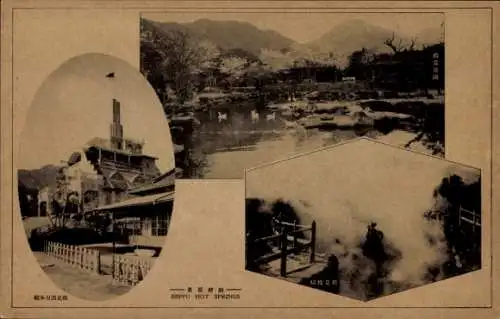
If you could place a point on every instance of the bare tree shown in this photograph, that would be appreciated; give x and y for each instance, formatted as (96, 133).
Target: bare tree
(400, 45)
(396, 47)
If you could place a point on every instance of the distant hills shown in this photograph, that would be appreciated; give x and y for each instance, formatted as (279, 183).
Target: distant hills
(229, 35)
(341, 40)
(37, 179)
(353, 35)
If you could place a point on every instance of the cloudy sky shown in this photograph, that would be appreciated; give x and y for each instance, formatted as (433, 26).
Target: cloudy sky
(74, 105)
(305, 27)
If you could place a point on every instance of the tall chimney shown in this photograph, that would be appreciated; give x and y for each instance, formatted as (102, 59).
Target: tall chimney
(116, 127)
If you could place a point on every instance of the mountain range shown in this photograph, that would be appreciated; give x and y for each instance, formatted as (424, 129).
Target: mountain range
(341, 40)
(229, 35)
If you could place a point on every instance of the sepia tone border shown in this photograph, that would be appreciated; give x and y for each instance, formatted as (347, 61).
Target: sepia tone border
(492, 140)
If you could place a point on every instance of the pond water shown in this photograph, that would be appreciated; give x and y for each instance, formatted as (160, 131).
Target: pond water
(228, 140)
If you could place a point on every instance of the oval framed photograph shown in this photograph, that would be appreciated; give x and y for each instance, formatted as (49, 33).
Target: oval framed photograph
(96, 176)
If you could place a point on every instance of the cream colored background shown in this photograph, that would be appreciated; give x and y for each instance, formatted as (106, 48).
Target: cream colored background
(206, 243)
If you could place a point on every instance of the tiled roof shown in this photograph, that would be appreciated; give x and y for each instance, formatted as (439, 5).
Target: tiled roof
(139, 201)
(163, 181)
(105, 145)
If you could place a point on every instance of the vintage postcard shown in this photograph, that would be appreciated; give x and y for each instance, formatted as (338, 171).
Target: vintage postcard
(248, 159)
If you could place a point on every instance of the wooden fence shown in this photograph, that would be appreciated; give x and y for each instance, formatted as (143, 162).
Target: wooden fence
(79, 257)
(130, 271)
(289, 242)
(469, 217)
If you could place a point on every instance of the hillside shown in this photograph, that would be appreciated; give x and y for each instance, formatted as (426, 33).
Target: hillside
(229, 35)
(38, 178)
(242, 39)
(351, 36)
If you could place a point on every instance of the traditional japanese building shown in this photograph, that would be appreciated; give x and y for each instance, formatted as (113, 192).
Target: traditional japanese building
(129, 187)
(106, 169)
(144, 217)
(115, 177)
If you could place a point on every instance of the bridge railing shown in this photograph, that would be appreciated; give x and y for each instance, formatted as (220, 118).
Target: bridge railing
(469, 217)
(288, 242)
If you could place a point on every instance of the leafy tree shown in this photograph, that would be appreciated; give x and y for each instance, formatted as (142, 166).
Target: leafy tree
(27, 201)
(99, 222)
(359, 62)
(65, 203)
(463, 242)
(171, 58)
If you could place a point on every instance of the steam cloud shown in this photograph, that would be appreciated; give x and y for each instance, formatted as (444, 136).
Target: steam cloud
(396, 197)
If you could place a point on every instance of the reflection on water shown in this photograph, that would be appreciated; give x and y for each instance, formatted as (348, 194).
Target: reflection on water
(232, 164)
(228, 141)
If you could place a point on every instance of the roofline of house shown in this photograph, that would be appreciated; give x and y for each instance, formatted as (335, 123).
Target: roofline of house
(161, 198)
(167, 173)
(154, 185)
(108, 149)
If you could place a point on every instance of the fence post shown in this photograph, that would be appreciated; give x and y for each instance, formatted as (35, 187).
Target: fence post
(88, 260)
(137, 268)
(460, 215)
(313, 241)
(80, 257)
(72, 254)
(82, 253)
(116, 269)
(283, 249)
(294, 234)
(97, 256)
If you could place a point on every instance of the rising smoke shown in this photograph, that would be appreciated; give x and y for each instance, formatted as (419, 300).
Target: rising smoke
(414, 250)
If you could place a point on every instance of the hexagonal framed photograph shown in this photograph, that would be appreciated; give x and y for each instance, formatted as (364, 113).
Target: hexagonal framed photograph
(363, 219)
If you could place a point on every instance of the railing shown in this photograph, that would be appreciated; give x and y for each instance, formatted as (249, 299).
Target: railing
(78, 257)
(469, 217)
(130, 271)
(289, 242)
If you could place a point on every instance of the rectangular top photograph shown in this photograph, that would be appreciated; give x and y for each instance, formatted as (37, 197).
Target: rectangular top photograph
(242, 90)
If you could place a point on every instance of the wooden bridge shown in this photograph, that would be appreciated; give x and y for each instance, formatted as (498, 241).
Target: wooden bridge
(288, 242)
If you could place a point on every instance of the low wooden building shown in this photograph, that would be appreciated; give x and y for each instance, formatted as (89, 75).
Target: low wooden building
(144, 217)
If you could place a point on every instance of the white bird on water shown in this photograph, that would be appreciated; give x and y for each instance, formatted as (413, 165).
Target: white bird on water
(255, 116)
(222, 116)
(271, 117)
